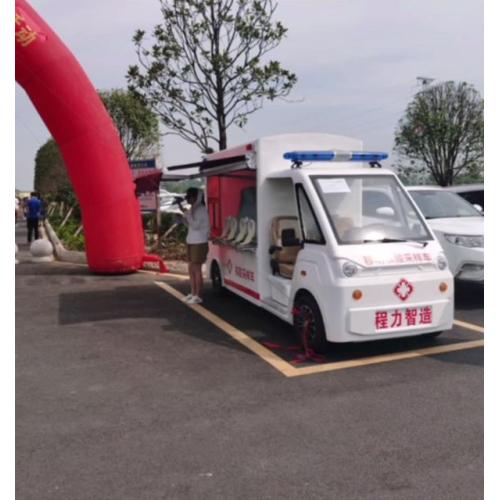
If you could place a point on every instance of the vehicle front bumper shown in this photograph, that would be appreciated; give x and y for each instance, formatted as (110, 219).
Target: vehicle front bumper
(466, 263)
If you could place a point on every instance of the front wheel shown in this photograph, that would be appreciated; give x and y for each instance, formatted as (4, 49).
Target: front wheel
(308, 324)
(432, 335)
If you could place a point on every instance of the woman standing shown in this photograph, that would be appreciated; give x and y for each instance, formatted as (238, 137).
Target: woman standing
(197, 221)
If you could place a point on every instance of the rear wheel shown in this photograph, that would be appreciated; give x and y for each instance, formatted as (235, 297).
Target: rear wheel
(308, 324)
(216, 277)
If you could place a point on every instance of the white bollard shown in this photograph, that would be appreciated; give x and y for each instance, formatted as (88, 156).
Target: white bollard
(17, 250)
(42, 251)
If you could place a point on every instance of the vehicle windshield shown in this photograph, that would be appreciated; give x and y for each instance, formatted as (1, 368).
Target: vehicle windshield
(370, 209)
(436, 204)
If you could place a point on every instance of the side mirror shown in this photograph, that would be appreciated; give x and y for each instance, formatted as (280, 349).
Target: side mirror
(289, 239)
(386, 211)
(478, 207)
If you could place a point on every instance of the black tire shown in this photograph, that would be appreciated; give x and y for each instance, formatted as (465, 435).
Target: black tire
(432, 335)
(216, 277)
(306, 310)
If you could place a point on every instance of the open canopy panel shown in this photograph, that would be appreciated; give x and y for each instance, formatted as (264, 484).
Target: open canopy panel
(207, 168)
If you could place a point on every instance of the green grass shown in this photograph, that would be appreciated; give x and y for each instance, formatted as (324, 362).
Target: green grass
(66, 233)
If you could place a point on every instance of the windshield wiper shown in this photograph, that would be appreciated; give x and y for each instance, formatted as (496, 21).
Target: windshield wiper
(396, 240)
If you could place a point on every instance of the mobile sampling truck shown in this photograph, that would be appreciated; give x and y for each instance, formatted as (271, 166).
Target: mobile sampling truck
(311, 228)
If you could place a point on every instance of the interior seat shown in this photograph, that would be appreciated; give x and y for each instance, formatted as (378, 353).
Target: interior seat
(283, 258)
(343, 225)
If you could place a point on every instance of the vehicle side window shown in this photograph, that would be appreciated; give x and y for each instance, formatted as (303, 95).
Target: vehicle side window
(310, 227)
(474, 197)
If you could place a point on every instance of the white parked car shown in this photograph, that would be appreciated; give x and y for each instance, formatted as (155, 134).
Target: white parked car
(473, 193)
(458, 226)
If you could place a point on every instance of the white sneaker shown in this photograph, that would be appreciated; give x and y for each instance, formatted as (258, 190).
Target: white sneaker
(188, 297)
(194, 300)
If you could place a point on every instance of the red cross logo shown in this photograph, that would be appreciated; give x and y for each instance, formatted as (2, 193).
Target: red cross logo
(403, 289)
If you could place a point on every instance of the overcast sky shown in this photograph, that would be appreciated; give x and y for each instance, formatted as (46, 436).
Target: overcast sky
(356, 61)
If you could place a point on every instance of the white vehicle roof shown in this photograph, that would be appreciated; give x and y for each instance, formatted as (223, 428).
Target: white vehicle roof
(267, 157)
(341, 169)
(463, 188)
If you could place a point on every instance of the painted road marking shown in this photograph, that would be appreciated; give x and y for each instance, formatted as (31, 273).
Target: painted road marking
(180, 277)
(291, 371)
(469, 326)
(241, 337)
(428, 351)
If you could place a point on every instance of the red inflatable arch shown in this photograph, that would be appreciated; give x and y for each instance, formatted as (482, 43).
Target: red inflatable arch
(97, 165)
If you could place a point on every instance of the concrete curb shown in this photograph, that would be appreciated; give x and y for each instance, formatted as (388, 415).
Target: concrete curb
(75, 257)
(177, 266)
(61, 253)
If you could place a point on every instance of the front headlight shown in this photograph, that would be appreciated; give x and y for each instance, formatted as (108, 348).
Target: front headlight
(466, 241)
(349, 269)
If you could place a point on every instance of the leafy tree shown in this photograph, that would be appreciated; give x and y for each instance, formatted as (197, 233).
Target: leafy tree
(412, 173)
(51, 177)
(442, 133)
(183, 186)
(204, 71)
(137, 125)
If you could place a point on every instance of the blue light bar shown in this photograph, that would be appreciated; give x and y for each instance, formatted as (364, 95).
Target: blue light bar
(309, 155)
(366, 156)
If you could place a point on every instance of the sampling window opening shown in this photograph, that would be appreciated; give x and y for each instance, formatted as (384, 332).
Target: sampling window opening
(232, 206)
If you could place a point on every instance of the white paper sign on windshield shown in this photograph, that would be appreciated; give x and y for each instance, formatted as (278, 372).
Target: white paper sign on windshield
(334, 186)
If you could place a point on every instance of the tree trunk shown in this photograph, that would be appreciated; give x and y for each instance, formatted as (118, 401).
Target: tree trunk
(221, 115)
(222, 138)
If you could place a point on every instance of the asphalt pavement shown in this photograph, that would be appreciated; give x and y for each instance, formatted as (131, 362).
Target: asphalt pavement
(123, 392)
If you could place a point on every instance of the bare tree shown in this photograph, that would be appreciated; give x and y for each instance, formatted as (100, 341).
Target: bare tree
(204, 72)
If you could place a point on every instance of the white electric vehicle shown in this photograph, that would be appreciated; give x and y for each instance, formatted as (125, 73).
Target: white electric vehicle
(311, 228)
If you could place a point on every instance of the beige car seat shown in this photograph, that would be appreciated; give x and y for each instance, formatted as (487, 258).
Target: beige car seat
(283, 258)
(342, 225)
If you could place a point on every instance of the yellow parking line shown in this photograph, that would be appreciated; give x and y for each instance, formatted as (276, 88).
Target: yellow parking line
(386, 358)
(241, 337)
(179, 277)
(291, 371)
(469, 326)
